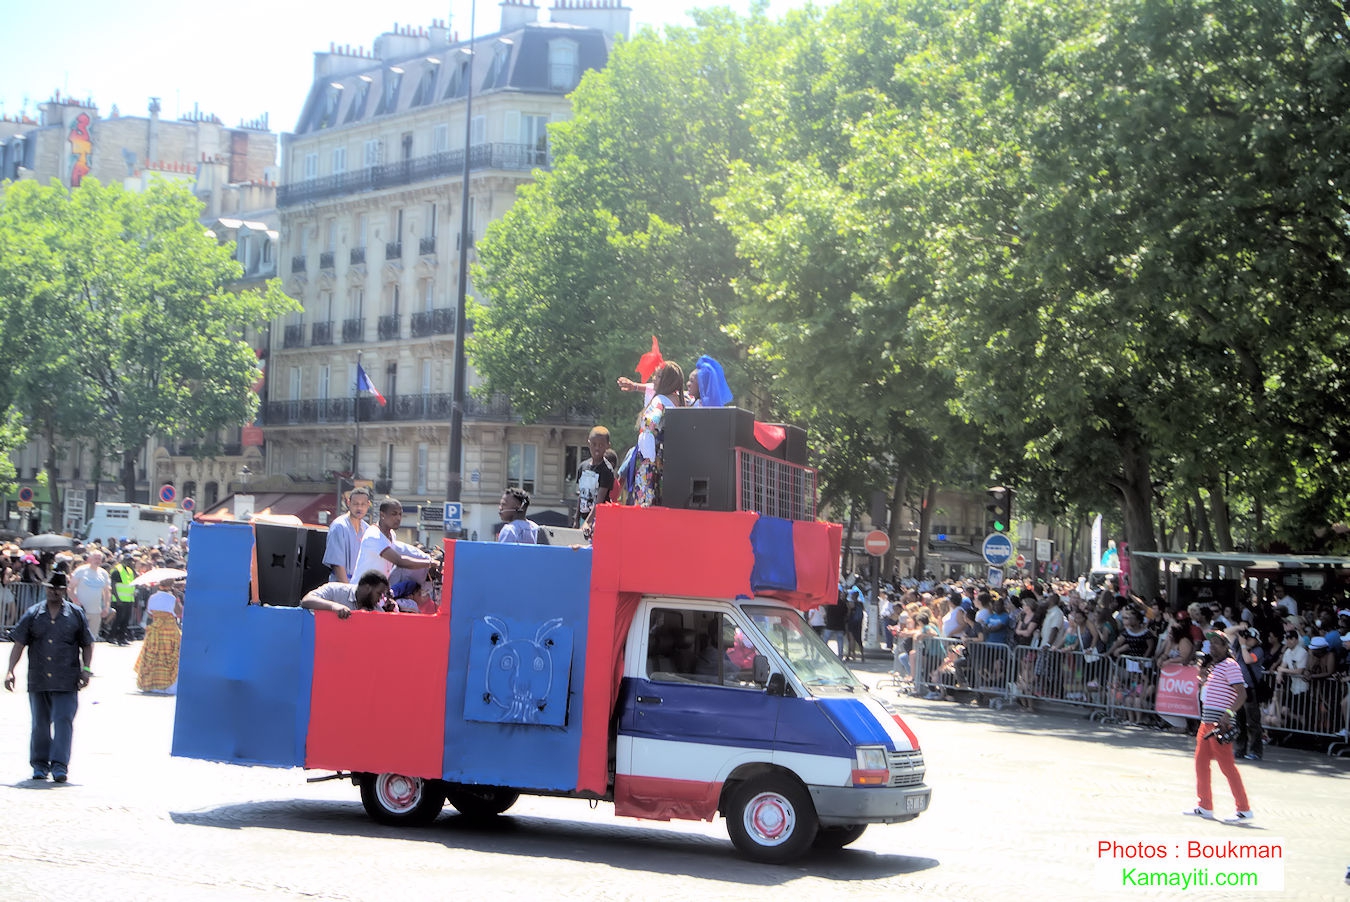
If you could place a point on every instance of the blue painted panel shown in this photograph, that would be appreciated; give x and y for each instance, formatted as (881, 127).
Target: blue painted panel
(527, 585)
(518, 671)
(696, 712)
(245, 674)
(857, 722)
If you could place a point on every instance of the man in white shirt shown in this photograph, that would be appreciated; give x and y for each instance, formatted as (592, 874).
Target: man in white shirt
(345, 534)
(1288, 603)
(382, 551)
(91, 587)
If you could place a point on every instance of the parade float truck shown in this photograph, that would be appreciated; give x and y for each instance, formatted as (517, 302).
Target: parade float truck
(668, 670)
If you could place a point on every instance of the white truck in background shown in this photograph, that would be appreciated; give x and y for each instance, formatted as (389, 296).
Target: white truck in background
(143, 524)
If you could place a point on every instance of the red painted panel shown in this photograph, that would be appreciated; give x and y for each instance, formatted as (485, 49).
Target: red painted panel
(386, 721)
(660, 799)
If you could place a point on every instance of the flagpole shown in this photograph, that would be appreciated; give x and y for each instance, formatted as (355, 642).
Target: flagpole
(356, 410)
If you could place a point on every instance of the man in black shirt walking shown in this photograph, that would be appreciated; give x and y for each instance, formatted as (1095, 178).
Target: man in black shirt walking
(61, 649)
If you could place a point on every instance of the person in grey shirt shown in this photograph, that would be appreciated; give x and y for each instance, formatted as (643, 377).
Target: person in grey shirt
(366, 594)
(344, 536)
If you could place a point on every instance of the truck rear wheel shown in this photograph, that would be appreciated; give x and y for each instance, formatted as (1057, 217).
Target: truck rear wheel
(838, 837)
(481, 801)
(771, 819)
(397, 800)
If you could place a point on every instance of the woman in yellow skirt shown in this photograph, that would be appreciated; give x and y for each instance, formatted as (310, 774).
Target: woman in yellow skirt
(157, 665)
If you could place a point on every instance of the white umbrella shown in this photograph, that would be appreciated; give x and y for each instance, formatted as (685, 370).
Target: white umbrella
(158, 575)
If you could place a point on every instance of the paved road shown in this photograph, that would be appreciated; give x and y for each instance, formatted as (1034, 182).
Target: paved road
(1020, 802)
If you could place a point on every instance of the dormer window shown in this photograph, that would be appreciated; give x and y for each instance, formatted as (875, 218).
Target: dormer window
(563, 70)
(426, 87)
(501, 56)
(458, 80)
(358, 108)
(393, 80)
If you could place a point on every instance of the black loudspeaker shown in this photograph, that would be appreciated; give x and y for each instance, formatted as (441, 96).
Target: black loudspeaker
(290, 561)
(699, 457)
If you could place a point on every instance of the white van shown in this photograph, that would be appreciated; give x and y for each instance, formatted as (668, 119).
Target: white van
(141, 523)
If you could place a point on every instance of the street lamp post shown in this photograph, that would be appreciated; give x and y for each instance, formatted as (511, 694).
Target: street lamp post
(454, 483)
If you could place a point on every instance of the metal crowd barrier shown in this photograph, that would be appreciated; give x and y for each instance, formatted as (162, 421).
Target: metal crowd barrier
(16, 598)
(1120, 690)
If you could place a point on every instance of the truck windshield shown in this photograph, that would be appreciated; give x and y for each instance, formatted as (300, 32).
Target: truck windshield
(805, 652)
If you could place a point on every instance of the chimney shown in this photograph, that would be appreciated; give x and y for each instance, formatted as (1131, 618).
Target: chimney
(609, 16)
(517, 14)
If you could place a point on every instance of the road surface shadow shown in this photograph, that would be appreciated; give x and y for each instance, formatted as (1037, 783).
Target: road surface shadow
(629, 846)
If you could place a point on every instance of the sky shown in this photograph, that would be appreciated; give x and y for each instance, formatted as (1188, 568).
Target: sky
(258, 60)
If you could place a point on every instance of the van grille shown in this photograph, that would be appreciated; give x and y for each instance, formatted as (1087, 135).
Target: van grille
(907, 768)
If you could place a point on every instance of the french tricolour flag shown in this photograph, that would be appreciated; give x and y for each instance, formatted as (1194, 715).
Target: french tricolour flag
(363, 383)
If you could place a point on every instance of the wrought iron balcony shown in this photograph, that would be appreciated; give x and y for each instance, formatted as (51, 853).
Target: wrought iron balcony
(293, 337)
(358, 256)
(403, 408)
(432, 322)
(326, 260)
(353, 331)
(393, 250)
(388, 327)
(426, 246)
(298, 263)
(449, 164)
(321, 334)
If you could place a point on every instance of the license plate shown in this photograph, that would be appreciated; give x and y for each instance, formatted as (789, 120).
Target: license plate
(916, 803)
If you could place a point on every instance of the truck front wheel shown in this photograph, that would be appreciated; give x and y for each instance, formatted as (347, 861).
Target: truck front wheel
(481, 801)
(771, 819)
(397, 800)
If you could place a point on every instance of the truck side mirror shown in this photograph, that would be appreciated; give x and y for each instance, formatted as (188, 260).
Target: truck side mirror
(777, 686)
(760, 668)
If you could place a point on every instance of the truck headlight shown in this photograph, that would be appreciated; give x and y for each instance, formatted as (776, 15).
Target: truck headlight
(871, 767)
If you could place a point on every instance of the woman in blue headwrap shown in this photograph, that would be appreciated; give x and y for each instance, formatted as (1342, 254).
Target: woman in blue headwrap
(708, 384)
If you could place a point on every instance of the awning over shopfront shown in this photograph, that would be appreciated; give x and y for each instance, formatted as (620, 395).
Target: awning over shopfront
(308, 507)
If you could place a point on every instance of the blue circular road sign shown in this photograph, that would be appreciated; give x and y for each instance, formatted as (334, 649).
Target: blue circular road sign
(998, 549)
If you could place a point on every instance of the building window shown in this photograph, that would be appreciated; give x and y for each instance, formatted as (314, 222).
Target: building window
(573, 455)
(458, 81)
(440, 139)
(423, 458)
(426, 88)
(339, 160)
(562, 65)
(478, 131)
(372, 152)
(520, 465)
(311, 166)
(358, 107)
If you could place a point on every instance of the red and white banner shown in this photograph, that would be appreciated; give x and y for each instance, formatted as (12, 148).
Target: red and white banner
(1179, 691)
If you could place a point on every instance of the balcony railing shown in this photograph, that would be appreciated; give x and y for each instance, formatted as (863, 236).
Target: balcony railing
(298, 263)
(403, 408)
(388, 327)
(393, 250)
(321, 334)
(293, 337)
(426, 246)
(326, 260)
(353, 331)
(432, 322)
(516, 157)
(358, 256)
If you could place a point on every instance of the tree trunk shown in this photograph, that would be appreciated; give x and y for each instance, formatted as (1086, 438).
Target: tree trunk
(1136, 488)
(56, 514)
(848, 537)
(1218, 512)
(129, 475)
(925, 520)
(1206, 538)
(898, 493)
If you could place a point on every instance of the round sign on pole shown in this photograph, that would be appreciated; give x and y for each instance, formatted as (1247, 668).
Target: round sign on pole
(997, 549)
(167, 493)
(877, 543)
(1021, 561)
(25, 494)
(189, 504)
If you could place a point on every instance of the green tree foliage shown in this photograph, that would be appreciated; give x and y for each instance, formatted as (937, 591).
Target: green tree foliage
(119, 318)
(621, 241)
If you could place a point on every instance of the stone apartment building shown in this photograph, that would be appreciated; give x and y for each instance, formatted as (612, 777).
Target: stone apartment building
(233, 171)
(370, 208)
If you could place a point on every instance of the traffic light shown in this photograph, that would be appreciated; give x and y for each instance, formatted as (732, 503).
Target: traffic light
(998, 509)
